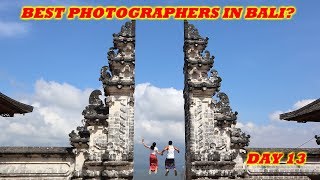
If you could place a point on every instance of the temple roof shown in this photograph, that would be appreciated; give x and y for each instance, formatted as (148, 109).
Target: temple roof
(9, 107)
(310, 112)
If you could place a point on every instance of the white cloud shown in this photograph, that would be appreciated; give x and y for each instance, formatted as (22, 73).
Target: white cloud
(280, 133)
(57, 111)
(159, 116)
(12, 29)
(58, 107)
(302, 103)
(62, 95)
(160, 104)
(275, 116)
(284, 134)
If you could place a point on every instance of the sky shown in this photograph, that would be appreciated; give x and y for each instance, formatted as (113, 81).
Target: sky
(267, 68)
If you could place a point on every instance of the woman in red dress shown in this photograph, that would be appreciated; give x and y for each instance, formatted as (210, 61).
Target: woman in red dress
(153, 157)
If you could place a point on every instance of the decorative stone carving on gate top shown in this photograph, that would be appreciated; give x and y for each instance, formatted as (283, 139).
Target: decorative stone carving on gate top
(213, 144)
(121, 57)
(106, 138)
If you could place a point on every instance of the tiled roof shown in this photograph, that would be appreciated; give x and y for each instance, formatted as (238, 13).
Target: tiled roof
(9, 107)
(310, 112)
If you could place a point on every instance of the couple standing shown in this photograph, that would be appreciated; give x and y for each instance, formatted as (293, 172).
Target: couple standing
(169, 163)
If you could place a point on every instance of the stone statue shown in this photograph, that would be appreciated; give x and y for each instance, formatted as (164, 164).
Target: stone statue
(96, 108)
(207, 56)
(104, 75)
(111, 53)
(214, 77)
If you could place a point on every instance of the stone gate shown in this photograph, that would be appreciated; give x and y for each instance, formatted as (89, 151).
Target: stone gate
(104, 145)
(214, 146)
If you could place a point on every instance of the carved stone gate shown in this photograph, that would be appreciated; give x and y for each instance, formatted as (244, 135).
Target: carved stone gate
(104, 145)
(214, 146)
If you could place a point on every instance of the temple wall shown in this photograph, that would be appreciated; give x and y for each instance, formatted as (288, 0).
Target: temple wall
(283, 171)
(279, 178)
(309, 170)
(28, 164)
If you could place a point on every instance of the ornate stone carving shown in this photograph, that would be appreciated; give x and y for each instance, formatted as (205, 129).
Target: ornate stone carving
(80, 137)
(214, 78)
(127, 30)
(124, 46)
(104, 75)
(207, 56)
(223, 111)
(239, 139)
(212, 144)
(119, 75)
(96, 112)
(108, 125)
(191, 32)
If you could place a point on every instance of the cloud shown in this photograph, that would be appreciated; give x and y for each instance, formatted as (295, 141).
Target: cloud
(58, 106)
(161, 104)
(159, 116)
(159, 113)
(302, 103)
(60, 94)
(13, 29)
(275, 116)
(284, 134)
(279, 133)
(57, 111)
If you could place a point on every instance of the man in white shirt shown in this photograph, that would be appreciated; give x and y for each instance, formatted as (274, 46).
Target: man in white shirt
(169, 163)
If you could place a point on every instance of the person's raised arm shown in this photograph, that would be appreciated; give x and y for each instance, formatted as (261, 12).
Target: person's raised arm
(145, 144)
(175, 148)
(166, 148)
